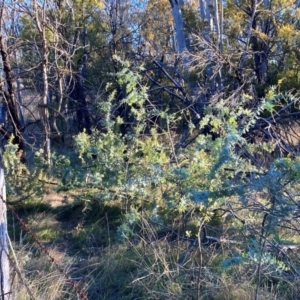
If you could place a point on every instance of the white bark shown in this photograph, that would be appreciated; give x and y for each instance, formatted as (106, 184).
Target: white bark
(205, 12)
(221, 25)
(217, 23)
(243, 59)
(202, 9)
(4, 262)
(178, 23)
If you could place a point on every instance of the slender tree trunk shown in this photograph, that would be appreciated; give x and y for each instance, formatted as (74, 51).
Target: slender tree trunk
(249, 33)
(261, 48)
(59, 73)
(212, 81)
(58, 110)
(205, 13)
(43, 104)
(4, 261)
(178, 23)
(218, 24)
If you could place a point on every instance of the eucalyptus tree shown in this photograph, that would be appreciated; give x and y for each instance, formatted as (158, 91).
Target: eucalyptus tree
(40, 20)
(54, 43)
(226, 48)
(179, 25)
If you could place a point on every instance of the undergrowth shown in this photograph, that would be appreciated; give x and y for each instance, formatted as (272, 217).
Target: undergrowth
(145, 218)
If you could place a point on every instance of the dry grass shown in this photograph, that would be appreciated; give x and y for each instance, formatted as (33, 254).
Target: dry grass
(55, 199)
(40, 277)
(147, 267)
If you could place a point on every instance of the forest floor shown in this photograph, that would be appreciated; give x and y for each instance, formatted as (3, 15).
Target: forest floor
(86, 246)
(58, 236)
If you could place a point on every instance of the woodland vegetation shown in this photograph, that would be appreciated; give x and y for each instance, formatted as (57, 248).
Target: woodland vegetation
(168, 132)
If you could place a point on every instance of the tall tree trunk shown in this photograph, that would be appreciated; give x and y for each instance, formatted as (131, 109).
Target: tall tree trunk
(178, 23)
(4, 261)
(261, 48)
(218, 24)
(43, 104)
(249, 34)
(212, 82)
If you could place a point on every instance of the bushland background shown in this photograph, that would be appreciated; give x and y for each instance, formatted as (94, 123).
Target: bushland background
(151, 148)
